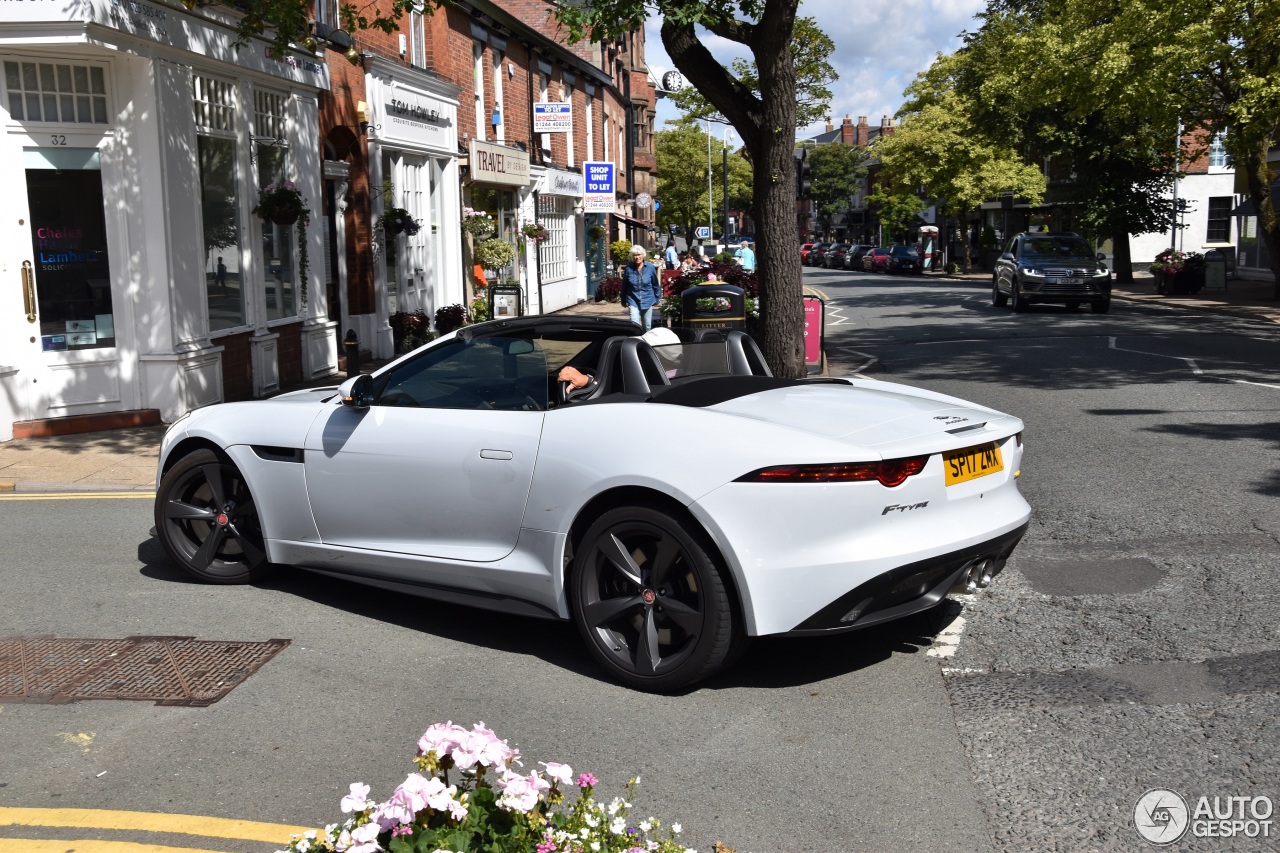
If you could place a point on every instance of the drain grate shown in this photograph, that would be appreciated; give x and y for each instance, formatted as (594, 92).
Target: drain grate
(164, 670)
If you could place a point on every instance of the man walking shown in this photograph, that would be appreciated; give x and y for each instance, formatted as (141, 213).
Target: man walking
(641, 288)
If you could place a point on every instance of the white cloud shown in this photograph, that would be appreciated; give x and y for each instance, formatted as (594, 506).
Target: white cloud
(880, 48)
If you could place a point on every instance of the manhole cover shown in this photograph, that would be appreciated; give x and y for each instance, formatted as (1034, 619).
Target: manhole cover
(1090, 577)
(164, 670)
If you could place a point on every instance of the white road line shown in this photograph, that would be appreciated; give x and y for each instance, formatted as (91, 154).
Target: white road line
(1190, 362)
(948, 640)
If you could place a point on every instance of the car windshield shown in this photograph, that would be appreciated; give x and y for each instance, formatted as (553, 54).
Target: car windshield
(904, 252)
(1055, 248)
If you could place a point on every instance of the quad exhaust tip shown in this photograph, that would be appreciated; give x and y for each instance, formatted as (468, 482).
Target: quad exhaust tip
(977, 576)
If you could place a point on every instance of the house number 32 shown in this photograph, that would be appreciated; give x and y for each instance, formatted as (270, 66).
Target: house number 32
(58, 139)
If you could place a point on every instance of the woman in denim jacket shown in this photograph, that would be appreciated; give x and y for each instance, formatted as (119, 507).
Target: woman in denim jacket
(641, 288)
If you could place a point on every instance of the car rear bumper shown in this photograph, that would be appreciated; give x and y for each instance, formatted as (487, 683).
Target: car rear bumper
(908, 589)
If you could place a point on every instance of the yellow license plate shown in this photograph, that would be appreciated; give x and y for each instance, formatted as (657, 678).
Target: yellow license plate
(972, 463)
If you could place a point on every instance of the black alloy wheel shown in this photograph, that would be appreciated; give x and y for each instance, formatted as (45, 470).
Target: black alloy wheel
(650, 600)
(998, 299)
(207, 521)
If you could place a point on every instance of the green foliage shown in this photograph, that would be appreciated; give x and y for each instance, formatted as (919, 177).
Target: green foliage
(610, 289)
(836, 171)
(494, 253)
(620, 251)
(450, 317)
(682, 177)
(811, 49)
(897, 210)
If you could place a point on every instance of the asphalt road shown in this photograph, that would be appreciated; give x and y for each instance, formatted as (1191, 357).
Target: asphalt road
(1133, 643)
(1130, 644)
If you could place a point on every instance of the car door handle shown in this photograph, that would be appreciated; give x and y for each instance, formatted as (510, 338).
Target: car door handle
(496, 454)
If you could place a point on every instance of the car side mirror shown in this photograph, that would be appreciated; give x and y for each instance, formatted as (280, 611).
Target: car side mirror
(1102, 256)
(1007, 256)
(355, 392)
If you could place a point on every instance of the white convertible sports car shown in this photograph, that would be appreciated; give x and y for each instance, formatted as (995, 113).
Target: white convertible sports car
(683, 502)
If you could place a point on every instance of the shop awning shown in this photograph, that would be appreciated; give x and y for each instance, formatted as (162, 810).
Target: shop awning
(1246, 208)
(633, 221)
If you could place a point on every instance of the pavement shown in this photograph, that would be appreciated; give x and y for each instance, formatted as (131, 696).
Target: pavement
(124, 460)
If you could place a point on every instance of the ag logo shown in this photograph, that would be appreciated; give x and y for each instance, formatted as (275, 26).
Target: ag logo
(1160, 816)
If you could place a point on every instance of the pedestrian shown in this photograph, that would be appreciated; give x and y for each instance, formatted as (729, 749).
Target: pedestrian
(687, 262)
(220, 275)
(671, 256)
(641, 289)
(747, 256)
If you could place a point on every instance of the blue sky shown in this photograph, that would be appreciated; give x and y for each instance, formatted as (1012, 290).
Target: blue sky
(880, 47)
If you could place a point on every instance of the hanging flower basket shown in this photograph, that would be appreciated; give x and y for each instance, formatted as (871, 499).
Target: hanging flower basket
(494, 253)
(534, 231)
(284, 205)
(595, 232)
(477, 222)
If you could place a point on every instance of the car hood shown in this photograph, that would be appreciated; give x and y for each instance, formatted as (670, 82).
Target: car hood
(873, 414)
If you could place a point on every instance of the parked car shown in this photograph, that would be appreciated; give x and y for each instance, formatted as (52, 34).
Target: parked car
(875, 260)
(834, 258)
(903, 259)
(853, 257)
(466, 471)
(804, 253)
(816, 251)
(1052, 267)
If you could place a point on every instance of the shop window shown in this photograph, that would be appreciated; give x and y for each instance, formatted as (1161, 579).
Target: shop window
(555, 255)
(477, 53)
(501, 205)
(417, 35)
(279, 242)
(69, 245)
(1219, 230)
(56, 92)
(216, 155)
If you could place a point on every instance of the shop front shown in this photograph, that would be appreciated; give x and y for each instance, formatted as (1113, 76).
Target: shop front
(134, 142)
(413, 164)
(500, 184)
(561, 274)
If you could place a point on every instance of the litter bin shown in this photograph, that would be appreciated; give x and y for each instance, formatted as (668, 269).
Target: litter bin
(713, 306)
(1215, 271)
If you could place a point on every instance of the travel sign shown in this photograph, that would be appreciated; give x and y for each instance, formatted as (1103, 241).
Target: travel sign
(599, 193)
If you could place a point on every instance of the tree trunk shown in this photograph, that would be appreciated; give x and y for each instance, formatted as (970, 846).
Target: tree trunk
(964, 240)
(1259, 175)
(1121, 256)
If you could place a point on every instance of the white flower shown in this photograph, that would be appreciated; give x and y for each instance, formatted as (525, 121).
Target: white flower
(645, 826)
(595, 845)
(615, 805)
(677, 828)
(591, 821)
(618, 826)
(303, 846)
(583, 832)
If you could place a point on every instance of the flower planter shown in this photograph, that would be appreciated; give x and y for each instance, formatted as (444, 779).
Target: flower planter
(1183, 282)
(285, 217)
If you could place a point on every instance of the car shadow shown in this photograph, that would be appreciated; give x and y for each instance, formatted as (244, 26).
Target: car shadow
(768, 661)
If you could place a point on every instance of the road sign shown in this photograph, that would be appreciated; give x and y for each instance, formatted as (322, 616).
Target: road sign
(702, 232)
(643, 200)
(598, 197)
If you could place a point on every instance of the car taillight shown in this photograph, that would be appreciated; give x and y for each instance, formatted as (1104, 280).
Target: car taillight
(890, 472)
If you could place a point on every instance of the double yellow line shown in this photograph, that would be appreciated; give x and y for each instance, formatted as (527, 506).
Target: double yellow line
(74, 496)
(139, 822)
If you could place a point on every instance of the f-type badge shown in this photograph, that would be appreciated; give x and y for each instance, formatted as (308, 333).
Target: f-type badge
(903, 507)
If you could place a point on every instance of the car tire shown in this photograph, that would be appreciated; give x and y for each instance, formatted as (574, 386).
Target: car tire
(1072, 306)
(207, 521)
(1019, 304)
(998, 299)
(1100, 306)
(649, 597)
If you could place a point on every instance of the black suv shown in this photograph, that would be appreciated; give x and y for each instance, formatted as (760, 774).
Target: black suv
(1051, 267)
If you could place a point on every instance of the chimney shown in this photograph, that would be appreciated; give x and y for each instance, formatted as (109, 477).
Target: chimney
(829, 125)
(846, 131)
(864, 133)
(886, 122)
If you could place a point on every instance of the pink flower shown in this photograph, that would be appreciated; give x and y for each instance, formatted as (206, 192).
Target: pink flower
(357, 800)
(441, 739)
(364, 839)
(559, 772)
(520, 793)
(586, 780)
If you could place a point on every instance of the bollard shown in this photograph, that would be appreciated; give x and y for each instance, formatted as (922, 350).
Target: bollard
(351, 347)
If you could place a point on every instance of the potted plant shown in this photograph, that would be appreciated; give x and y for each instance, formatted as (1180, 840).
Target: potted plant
(597, 232)
(469, 791)
(477, 223)
(494, 253)
(1178, 272)
(534, 231)
(396, 220)
(450, 317)
(283, 204)
(610, 289)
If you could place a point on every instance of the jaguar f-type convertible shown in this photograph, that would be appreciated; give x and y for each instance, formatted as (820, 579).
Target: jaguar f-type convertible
(680, 503)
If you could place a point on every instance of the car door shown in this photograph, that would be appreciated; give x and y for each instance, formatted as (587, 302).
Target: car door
(440, 464)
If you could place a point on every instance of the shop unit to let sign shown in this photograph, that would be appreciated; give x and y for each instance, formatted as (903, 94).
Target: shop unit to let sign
(598, 197)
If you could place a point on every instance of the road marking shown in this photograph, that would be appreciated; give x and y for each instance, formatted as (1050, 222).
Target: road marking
(83, 845)
(182, 824)
(1190, 362)
(75, 496)
(947, 641)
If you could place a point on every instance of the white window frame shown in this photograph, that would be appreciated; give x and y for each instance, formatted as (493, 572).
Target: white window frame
(477, 52)
(417, 38)
(499, 132)
(556, 252)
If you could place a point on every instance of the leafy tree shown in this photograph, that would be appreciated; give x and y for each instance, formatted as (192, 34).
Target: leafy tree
(836, 172)
(938, 147)
(811, 48)
(682, 177)
(897, 208)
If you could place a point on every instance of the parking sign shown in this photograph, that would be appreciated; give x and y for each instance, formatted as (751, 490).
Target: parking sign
(702, 232)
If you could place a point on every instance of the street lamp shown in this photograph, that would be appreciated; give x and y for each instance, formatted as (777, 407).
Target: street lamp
(728, 134)
(710, 214)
